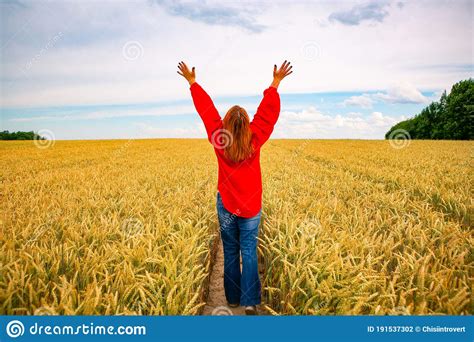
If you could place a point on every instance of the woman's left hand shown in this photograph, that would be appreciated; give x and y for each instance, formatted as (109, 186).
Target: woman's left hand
(190, 76)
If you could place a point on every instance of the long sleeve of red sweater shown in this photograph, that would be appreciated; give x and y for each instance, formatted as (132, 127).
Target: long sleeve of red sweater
(206, 109)
(267, 116)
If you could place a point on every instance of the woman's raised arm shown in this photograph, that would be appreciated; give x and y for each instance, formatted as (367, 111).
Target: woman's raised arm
(202, 101)
(269, 109)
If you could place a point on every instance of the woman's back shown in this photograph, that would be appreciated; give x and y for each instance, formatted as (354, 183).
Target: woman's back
(239, 183)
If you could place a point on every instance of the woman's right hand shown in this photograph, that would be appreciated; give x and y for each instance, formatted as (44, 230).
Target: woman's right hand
(281, 73)
(190, 76)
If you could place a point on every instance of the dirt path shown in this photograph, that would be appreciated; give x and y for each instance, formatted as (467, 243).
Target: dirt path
(216, 302)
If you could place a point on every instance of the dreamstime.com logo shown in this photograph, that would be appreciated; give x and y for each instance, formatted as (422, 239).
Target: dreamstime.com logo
(132, 50)
(132, 227)
(15, 329)
(221, 139)
(311, 51)
(222, 311)
(399, 138)
(44, 139)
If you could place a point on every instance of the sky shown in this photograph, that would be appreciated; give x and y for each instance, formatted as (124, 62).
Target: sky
(107, 69)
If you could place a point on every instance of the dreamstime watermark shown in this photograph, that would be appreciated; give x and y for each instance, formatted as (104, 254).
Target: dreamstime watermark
(118, 152)
(132, 227)
(222, 311)
(15, 329)
(400, 311)
(44, 138)
(132, 50)
(221, 139)
(319, 305)
(399, 138)
(311, 51)
(36, 234)
(45, 311)
(309, 228)
(299, 149)
(51, 42)
(228, 219)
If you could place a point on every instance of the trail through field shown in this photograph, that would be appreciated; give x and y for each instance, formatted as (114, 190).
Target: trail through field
(216, 301)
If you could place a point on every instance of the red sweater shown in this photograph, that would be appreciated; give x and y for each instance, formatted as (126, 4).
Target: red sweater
(240, 184)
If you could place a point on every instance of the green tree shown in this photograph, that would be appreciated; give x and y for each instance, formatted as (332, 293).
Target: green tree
(6, 135)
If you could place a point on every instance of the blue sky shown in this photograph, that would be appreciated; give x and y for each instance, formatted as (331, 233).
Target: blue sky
(101, 70)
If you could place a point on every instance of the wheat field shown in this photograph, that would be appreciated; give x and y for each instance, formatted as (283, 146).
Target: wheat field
(128, 227)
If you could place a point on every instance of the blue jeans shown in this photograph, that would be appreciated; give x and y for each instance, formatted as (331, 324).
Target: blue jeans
(239, 236)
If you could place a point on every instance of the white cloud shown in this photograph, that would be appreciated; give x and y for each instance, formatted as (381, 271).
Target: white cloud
(354, 114)
(214, 13)
(311, 123)
(363, 101)
(379, 120)
(374, 11)
(402, 93)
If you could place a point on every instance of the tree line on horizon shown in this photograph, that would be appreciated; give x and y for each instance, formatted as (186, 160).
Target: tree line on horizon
(6, 135)
(450, 118)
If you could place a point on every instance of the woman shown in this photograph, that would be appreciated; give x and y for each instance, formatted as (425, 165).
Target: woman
(237, 143)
